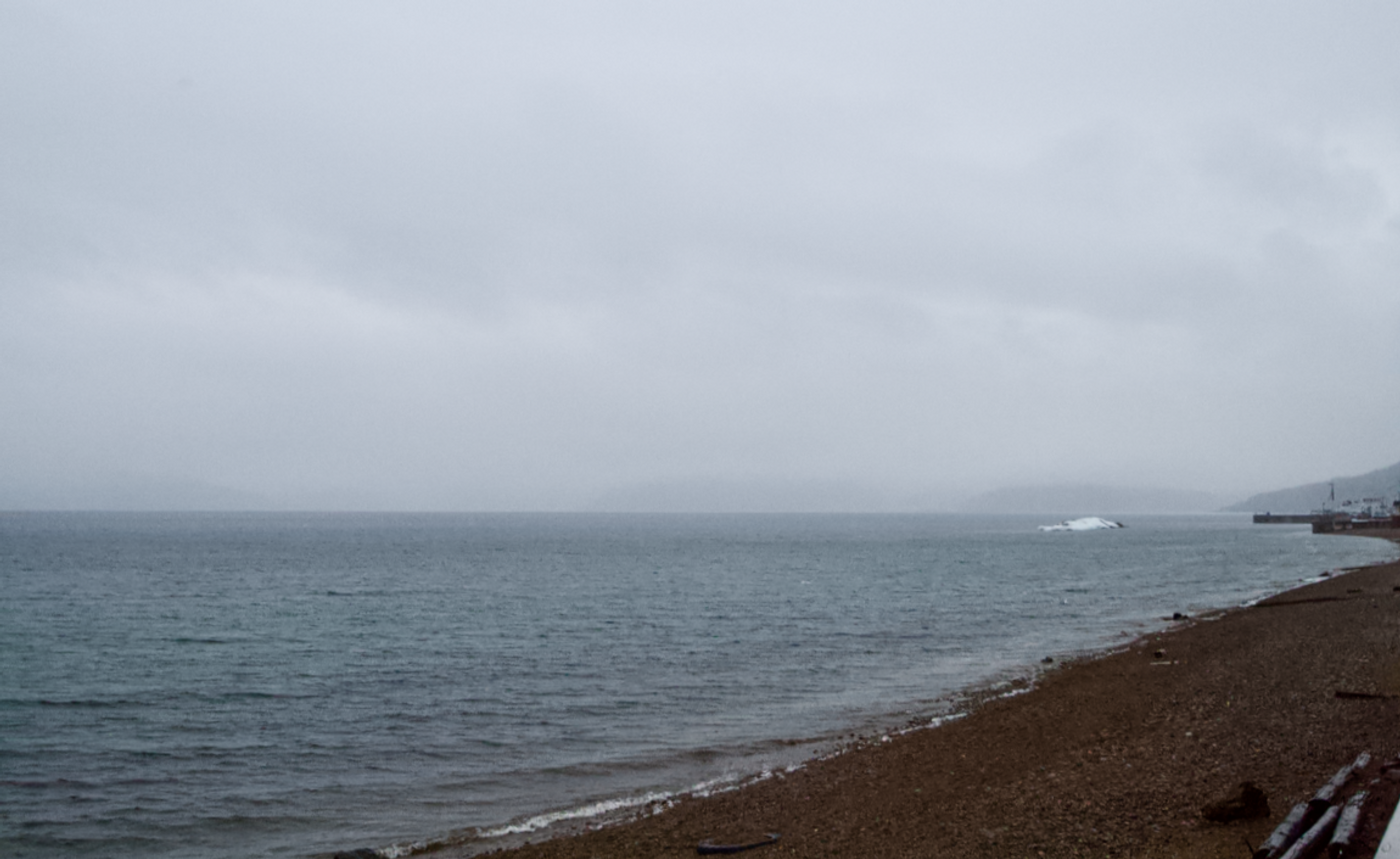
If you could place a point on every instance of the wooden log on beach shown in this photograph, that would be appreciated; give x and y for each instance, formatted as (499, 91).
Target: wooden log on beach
(1305, 816)
(710, 848)
(1313, 840)
(1285, 833)
(1329, 791)
(1347, 822)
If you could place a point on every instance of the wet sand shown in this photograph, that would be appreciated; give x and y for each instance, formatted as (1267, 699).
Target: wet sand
(1113, 755)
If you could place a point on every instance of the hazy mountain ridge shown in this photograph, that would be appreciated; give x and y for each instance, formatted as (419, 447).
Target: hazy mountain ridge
(1311, 496)
(1092, 499)
(122, 490)
(719, 495)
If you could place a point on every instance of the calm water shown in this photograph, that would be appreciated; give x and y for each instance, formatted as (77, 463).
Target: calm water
(289, 684)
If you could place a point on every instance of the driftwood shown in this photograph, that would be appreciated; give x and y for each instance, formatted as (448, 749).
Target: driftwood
(706, 848)
(1312, 840)
(1330, 790)
(1347, 822)
(1304, 601)
(1285, 833)
(1309, 825)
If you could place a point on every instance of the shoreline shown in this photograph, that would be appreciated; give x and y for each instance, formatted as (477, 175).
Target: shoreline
(1017, 774)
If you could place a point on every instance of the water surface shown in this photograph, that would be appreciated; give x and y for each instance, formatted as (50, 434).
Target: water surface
(276, 685)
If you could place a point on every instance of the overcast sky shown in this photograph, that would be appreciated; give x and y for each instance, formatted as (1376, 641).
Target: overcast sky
(527, 255)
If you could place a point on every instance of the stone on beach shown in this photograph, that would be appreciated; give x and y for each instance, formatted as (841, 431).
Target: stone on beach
(1246, 802)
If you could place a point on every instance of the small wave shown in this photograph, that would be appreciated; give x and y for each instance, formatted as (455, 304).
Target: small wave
(41, 784)
(243, 695)
(87, 702)
(599, 809)
(599, 813)
(940, 721)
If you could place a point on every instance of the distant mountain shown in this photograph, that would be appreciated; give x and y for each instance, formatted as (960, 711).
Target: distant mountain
(743, 496)
(119, 490)
(1301, 499)
(1089, 499)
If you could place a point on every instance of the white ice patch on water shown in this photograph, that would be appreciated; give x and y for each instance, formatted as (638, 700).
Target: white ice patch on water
(1088, 523)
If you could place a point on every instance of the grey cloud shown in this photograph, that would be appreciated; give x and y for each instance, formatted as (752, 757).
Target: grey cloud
(535, 255)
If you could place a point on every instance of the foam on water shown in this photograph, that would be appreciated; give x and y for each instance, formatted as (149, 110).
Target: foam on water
(1088, 523)
(601, 809)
